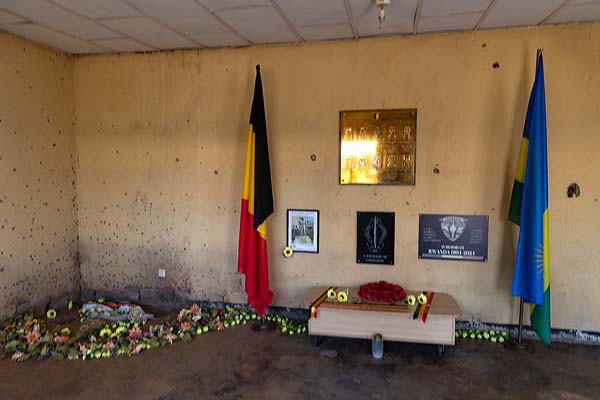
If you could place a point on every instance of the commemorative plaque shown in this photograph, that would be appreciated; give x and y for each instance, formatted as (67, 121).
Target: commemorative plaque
(375, 238)
(378, 147)
(453, 237)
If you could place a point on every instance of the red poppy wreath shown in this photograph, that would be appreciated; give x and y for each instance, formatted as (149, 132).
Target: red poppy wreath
(382, 292)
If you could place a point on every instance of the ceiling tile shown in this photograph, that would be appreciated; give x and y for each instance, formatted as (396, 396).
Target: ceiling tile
(219, 39)
(314, 12)
(579, 2)
(49, 37)
(223, 4)
(399, 17)
(150, 32)
(438, 8)
(259, 25)
(185, 16)
(576, 13)
(507, 13)
(122, 45)
(99, 8)
(57, 18)
(325, 32)
(458, 22)
(8, 18)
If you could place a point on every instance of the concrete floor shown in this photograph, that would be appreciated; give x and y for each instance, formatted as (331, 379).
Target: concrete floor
(242, 364)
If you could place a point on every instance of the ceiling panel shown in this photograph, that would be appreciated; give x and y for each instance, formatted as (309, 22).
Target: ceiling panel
(324, 32)
(222, 4)
(219, 39)
(576, 13)
(99, 8)
(259, 25)
(457, 22)
(150, 32)
(314, 12)
(506, 13)
(57, 40)
(57, 18)
(438, 8)
(580, 2)
(122, 45)
(183, 15)
(8, 18)
(399, 17)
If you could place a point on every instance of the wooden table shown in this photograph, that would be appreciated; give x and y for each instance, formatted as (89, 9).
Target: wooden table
(357, 319)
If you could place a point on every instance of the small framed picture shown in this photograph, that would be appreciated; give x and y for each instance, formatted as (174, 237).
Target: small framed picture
(303, 230)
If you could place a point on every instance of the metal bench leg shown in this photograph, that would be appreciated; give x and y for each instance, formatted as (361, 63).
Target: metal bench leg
(440, 352)
(317, 340)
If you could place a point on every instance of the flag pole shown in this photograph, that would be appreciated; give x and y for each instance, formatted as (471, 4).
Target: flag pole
(520, 335)
(521, 301)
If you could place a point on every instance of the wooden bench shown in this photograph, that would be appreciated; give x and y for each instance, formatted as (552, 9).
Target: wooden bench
(361, 320)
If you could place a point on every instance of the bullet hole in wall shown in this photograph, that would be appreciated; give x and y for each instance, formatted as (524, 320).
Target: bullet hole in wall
(496, 65)
(313, 157)
(573, 190)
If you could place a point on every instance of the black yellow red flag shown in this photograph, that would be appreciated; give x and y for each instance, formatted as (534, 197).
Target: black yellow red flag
(257, 205)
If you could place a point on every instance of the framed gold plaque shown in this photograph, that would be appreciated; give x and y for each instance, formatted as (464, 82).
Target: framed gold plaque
(378, 147)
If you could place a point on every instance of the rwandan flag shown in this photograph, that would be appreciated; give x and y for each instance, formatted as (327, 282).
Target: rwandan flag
(529, 209)
(257, 205)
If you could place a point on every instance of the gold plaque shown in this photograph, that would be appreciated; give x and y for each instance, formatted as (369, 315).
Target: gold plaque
(378, 147)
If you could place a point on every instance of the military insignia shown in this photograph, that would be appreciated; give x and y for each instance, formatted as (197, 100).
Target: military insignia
(453, 227)
(375, 233)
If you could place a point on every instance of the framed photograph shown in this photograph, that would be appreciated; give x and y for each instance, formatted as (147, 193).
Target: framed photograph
(378, 147)
(303, 230)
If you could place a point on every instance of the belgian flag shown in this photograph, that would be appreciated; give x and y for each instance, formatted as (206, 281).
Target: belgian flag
(257, 205)
(529, 210)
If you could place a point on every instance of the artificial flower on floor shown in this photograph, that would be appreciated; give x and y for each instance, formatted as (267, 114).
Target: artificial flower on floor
(28, 337)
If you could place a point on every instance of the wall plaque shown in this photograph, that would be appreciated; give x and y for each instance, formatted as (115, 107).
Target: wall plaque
(378, 147)
(375, 238)
(453, 237)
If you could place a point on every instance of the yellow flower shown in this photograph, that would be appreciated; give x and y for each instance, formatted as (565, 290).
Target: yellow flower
(288, 252)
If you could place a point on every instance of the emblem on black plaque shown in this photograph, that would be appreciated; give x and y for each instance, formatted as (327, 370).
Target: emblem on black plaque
(375, 238)
(453, 227)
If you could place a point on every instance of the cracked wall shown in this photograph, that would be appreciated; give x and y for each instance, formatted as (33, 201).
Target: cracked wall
(38, 207)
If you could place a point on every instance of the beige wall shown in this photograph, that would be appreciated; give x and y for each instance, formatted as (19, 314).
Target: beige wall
(161, 140)
(38, 208)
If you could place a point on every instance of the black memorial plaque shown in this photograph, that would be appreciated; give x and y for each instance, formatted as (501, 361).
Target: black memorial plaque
(375, 238)
(453, 237)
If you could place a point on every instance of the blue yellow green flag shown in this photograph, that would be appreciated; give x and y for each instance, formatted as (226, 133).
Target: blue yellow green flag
(529, 210)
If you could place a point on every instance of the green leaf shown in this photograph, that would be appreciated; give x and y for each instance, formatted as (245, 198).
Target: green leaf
(11, 346)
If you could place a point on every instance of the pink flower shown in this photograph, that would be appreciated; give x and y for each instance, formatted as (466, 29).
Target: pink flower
(82, 348)
(181, 315)
(16, 355)
(33, 337)
(27, 324)
(108, 345)
(194, 309)
(135, 333)
(170, 337)
(220, 326)
(186, 326)
(137, 349)
(61, 339)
